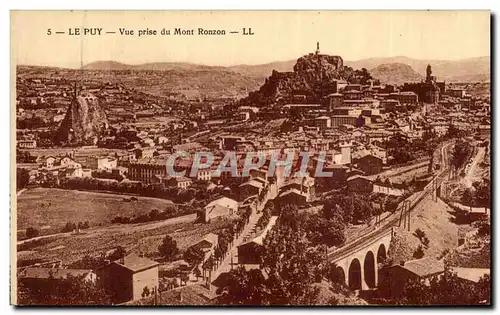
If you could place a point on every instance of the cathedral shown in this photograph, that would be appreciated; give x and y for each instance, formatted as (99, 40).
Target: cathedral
(428, 91)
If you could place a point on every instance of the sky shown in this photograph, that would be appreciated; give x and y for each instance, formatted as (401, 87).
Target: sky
(278, 36)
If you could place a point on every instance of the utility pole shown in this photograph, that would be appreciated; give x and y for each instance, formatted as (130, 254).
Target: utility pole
(408, 213)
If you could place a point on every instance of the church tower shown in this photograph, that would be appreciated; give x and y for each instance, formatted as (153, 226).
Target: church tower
(317, 48)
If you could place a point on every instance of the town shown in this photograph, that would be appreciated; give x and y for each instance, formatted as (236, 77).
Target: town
(135, 196)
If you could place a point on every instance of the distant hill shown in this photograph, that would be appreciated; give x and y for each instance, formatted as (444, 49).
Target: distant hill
(470, 69)
(191, 81)
(449, 70)
(264, 70)
(395, 73)
(160, 66)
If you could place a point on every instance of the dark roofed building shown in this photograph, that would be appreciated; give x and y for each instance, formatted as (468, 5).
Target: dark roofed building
(419, 269)
(126, 278)
(37, 274)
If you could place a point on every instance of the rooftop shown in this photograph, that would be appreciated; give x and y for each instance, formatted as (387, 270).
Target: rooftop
(424, 267)
(136, 263)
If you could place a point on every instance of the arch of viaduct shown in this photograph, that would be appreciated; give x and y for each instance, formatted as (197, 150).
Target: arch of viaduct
(359, 268)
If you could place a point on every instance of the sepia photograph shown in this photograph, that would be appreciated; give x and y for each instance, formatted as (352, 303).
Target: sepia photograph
(250, 158)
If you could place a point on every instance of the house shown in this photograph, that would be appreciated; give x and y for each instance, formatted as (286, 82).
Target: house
(252, 187)
(419, 269)
(38, 276)
(181, 182)
(359, 184)
(127, 278)
(369, 163)
(207, 245)
(304, 184)
(143, 153)
(50, 161)
(472, 275)
(220, 207)
(249, 253)
(293, 196)
(74, 171)
(26, 144)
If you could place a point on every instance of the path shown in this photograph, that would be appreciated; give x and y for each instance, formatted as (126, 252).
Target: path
(471, 170)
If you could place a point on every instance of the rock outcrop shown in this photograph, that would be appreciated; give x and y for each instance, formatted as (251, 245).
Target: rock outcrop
(313, 76)
(395, 73)
(84, 123)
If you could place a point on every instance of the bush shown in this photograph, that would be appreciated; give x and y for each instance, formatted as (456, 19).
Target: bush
(32, 232)
(419, 252)
(419, 233)
(425, 241)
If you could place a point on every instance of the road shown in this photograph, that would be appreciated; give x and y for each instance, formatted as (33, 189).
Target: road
(386, 226)
(469, 176)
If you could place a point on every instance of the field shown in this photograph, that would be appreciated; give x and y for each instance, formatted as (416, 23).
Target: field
(49, 209)
(141, 238)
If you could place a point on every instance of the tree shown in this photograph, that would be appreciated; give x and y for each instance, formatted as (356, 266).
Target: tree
(32, 232)
(290, 262)
(460, 153)
(145, 292)
(483, 192)
(118, 253)
(168, 248)
(193, 255)
(330, 232)
(184, 278)
(73, 290)
(22, 178)
(419, 234)
(467, 198)
(419, 252)
(244, 288)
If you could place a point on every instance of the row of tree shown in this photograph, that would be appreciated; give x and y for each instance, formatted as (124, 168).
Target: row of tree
(139, 188)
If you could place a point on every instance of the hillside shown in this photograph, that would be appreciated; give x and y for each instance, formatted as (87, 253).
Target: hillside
(395, 73)
(313, 77)
(470, 69)
(84, 122)
(449, 70)
(152, 66)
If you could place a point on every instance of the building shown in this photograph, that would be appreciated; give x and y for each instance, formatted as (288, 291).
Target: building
(323, 122)
(339, 120)
(334, 100)
(127, 278)
(250, 188)
(38, 276)
(369, 163)
(389, 104)
(456, 92)
(101, 163)
(180, 182)
(301, 184)
(207, 245)
(429, 91)
(353, 95)
(26, 144)
(293, 196)
(408, 97)
(471, 275)
(144, 153)
(399, 275)
(220, 207)
(359, 184)
(145, 170)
